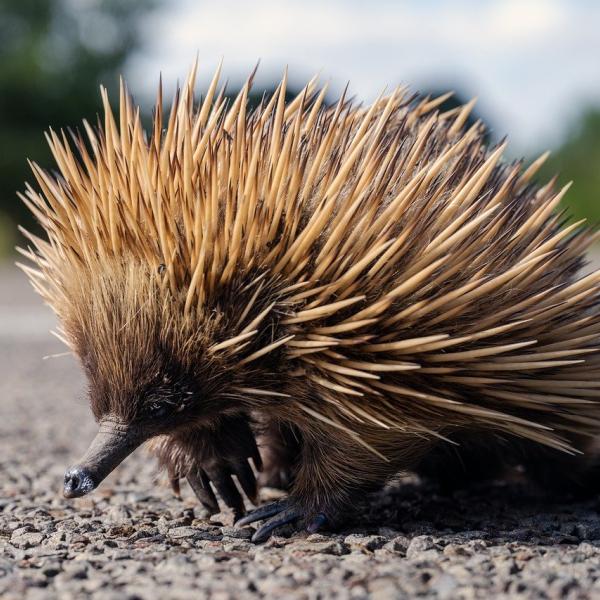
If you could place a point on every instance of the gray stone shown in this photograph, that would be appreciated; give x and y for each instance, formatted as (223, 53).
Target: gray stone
(26, 540)
(364, 543)
(418, 545)
(239, 533)
(327, 547)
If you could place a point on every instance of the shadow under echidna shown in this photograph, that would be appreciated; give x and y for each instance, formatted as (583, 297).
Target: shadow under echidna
(365, 290)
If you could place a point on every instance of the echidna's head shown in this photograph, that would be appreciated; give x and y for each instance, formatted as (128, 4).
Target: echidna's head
(151, 367)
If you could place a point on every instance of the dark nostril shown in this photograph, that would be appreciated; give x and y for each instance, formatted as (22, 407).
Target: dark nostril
(78, 482)
(72, 482)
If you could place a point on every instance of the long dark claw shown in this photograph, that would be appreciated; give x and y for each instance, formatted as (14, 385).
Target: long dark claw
(230, 494)
(199, 482)
(283, 518)
(174, 481)
(317, 522)
(263, 512)
(247, 480)
(277, 514)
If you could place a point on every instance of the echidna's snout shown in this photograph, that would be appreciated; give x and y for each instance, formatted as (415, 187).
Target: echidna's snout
(78, 482)
(113, 443)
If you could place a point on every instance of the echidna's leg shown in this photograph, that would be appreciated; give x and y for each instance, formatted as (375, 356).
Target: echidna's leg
(222, 453)
(214, 455)
(335, 470)
(280, 450)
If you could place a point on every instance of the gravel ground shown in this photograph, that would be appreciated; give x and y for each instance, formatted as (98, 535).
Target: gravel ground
(132, 539)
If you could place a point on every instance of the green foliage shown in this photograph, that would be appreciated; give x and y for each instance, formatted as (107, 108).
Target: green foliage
(578, 160)
(8, 235)
(53, 56)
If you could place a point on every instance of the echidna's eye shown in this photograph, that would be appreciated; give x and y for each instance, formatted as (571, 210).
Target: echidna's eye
(159, 411)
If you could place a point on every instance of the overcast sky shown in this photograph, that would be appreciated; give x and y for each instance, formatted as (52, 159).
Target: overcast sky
(534, 64)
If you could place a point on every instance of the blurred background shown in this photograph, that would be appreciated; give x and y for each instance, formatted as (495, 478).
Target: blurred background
(534, 65)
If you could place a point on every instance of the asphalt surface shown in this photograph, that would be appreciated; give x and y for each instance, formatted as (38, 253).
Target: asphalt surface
(133, 539)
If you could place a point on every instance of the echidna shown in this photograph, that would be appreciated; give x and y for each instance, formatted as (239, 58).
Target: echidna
(369, 286)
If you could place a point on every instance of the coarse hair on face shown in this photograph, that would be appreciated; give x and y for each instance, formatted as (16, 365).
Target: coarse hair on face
(145, 357)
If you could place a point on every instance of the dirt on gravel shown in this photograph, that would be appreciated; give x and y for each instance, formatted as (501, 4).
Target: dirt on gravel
(133, 539)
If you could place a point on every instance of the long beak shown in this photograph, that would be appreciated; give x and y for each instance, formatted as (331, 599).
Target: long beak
(113, 443)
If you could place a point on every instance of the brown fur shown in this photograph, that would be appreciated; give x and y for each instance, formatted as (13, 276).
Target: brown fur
(374, 280)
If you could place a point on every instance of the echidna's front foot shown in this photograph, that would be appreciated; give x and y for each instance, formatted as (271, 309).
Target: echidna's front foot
(277, 514)
(220, 474)
(216, 456)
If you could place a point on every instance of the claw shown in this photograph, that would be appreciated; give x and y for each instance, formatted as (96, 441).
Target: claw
(174, 481)
(220, 475)
(277, 514)
(200, 484)
(229, 492)
(247, 480)
(263, 512)
(282, 518)
(317, 522)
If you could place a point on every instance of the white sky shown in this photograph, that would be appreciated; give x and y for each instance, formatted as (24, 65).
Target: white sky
(534, 64)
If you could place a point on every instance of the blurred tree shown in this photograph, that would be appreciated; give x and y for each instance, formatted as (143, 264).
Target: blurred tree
(578, 160)
(53, 56)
